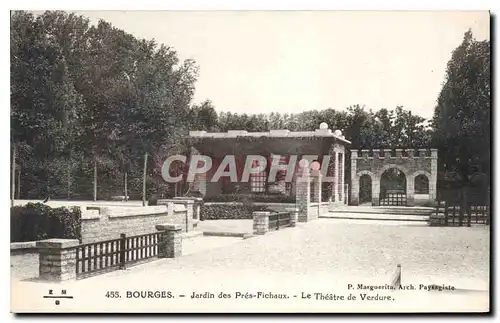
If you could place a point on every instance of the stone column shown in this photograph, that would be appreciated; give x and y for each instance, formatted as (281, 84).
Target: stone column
(375, 191)
(410, 190)
(170, 244)
(433, 179)
(260, 222)
(294, 215)
(200, 183)
(317, 181)
(316, 178)
(342, 175)
(354, 178)
(57, 259)
(336, 183)
(303, 191)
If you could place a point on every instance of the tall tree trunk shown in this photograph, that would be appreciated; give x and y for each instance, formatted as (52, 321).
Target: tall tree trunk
(126, 193)
(68, 179)
(19, 184)
(13, 176)
(144, 180)
(95, 180)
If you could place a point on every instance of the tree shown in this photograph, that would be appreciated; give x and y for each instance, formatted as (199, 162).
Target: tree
(462, 115)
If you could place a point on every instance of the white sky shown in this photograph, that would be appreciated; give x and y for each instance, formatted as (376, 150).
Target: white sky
(293, 61)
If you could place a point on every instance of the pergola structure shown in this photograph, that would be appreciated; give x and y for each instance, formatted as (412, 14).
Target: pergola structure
(285, 143)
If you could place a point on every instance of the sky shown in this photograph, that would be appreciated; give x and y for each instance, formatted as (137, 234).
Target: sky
(294, 61)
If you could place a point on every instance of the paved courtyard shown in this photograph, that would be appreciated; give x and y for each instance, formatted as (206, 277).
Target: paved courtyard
(324, 256)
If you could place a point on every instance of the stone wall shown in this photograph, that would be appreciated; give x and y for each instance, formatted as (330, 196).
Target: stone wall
(105, 223)
(409, 161)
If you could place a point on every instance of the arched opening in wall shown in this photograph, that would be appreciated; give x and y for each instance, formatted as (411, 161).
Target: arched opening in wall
(365, 189)
(421, 184)
(393, 188)
(421, 189)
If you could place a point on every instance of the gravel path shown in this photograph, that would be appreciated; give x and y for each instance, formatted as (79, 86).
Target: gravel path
(324, 255)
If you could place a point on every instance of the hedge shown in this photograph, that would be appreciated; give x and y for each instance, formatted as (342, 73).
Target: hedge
(37, 221)
(267, 198)
(230, 211)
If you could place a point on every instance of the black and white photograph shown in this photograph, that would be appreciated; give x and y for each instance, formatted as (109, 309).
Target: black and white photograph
(250, 161)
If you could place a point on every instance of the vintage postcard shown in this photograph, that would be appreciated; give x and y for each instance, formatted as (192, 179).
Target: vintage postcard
(250, 161)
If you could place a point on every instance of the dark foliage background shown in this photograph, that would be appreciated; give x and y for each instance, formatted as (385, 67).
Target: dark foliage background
(87, 97)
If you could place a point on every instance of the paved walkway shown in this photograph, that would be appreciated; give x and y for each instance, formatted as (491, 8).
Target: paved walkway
(322, 256)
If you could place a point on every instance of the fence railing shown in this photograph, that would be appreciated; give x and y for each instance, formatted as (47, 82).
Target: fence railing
(279, 220)
(393, 199)
(462, 215)
(96, 257)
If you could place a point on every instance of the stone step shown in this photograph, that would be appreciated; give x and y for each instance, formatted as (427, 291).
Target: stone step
(397, 210)
(375, 216)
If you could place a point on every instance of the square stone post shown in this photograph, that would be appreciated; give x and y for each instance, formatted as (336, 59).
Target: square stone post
(342, 175)
(375, 192)
(57, 259)
(303, 191)
(410, 191)
(316, 187)
(354, 178)
(336, 182)
(294, 215)
(260, 222)
(170, 244)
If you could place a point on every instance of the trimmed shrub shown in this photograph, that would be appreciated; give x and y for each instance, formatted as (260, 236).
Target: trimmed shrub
(266, 198)
(37, 221)
(230, 211)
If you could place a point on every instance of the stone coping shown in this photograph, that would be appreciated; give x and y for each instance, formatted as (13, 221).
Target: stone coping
(168, 227)
(254, 203)
(56, 243)
(133, 211)
(23, 245)
(279, 133)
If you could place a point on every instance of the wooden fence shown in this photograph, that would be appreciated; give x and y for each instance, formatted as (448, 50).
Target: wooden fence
(279, 220)
(98, 257)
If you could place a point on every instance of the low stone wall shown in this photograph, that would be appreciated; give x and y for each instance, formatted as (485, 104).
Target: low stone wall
(192, 205)
(104, 223)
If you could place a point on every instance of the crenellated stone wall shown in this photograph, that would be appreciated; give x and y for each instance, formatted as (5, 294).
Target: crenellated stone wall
(412, 162)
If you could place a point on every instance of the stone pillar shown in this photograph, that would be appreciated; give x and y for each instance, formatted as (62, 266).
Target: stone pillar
(316, 187)
(200, 183)
(433, 179)
(57, 259)
(375, 191)
(399, 153)
(303, 191)
(342, 175)
(294, 215)
(336, 182)
(260, 222)
(410, 191)
(388, 153)
(170, 244)
(354, 178)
